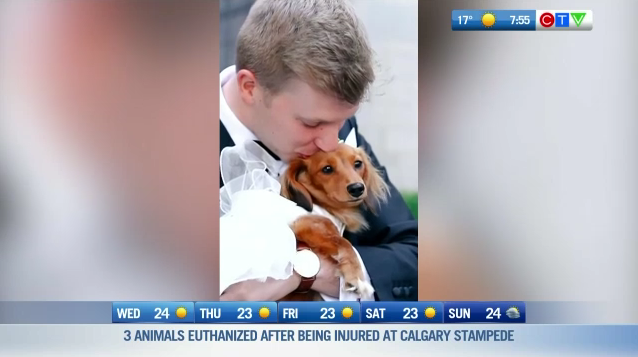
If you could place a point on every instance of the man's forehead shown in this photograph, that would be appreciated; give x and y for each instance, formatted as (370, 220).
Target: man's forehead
(332, 112)
(314, 104)
(324, 119)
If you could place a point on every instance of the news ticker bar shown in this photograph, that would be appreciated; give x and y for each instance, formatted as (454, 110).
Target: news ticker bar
(341, 312)
(522, 20)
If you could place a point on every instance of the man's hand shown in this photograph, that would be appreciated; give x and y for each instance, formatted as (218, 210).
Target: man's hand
(253, 290)
(327, 281)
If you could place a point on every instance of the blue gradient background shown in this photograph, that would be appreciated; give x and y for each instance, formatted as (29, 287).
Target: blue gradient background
(100, 312)
(311, 312)
(481, 310)
(230, 312)
(395, 313)
(503, 20)
(149, 311)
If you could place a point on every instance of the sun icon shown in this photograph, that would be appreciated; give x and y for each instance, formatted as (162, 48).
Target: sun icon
(264, 312)
(181, 312)
(488, 19)
(347, 312)
(430, 312)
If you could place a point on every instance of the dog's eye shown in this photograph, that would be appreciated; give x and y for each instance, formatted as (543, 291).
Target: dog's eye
(327, 169)
(358, 164)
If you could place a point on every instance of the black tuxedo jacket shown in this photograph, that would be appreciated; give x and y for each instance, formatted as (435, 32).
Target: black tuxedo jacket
(389, 247)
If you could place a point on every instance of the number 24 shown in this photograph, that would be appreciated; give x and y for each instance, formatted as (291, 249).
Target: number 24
(491, 313)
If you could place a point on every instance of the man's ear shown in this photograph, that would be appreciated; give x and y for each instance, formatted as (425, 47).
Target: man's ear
(246, 83)
(378, 190)
(292, 189)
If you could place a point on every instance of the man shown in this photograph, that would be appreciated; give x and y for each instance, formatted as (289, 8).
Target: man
(302, 68)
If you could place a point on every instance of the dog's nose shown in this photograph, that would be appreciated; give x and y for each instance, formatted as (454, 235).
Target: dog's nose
(356, 189)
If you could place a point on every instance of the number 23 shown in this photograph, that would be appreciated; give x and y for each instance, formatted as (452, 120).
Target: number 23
(410, 313)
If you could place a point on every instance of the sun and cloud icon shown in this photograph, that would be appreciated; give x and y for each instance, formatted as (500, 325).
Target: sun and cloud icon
(513, 312)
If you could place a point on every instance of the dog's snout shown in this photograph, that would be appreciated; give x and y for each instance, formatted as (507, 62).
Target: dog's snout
(356, 189)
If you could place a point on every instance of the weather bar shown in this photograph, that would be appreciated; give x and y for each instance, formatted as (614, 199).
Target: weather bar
(522, 20)
(340, 312)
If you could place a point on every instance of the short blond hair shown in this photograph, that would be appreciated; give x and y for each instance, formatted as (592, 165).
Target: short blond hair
(321, 42)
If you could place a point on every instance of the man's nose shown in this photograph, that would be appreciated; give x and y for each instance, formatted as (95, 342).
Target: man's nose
(328, 141)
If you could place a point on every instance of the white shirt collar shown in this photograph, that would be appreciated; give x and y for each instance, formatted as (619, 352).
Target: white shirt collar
(236, 129)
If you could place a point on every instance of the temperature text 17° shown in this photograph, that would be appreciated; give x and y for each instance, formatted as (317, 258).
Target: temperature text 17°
(463, 19)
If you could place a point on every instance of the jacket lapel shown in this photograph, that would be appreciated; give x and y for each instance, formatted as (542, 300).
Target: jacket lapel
(224, 141)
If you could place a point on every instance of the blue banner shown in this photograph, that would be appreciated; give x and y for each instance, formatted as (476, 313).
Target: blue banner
(420, 312)
(484, 312)
(401, 312)
(320, 312)
(494, 20)
(153, 312)
(236, 312)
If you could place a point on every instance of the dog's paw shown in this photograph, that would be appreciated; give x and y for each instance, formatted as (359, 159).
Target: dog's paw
(361, 288)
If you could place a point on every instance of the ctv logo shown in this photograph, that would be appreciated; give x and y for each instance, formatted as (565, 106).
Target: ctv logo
(564, 20)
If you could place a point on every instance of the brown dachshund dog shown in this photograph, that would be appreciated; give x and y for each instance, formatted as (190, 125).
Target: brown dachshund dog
(341, 182)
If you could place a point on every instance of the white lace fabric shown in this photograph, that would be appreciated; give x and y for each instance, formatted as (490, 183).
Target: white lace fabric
(256, 241)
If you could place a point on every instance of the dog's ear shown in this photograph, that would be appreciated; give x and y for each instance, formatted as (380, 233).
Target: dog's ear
(292, 189)
(378, 188)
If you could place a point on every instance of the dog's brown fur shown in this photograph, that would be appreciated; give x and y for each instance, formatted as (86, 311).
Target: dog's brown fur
(323, 179)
